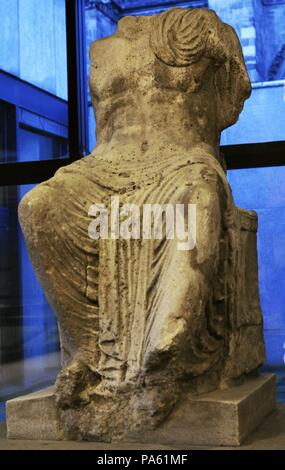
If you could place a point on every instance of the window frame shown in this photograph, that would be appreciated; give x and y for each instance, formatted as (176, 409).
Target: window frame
(237, 156)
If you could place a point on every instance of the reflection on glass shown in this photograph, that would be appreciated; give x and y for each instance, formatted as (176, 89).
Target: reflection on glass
(33, 43)
(37, 146)
(260, 25)
(26, 143)
(29, 349)
(33, 80)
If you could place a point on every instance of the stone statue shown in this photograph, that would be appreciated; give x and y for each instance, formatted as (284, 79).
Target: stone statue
(142, 324)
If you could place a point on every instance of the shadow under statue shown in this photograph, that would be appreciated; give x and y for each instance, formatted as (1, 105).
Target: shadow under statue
(158, 344)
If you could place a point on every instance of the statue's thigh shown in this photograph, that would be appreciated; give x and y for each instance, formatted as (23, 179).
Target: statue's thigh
(54, 218)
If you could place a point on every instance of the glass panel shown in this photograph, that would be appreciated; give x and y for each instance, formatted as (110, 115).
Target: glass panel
(30, 137)
(33, 49)
(263, 190)
(36, 146)
(260, 25)
(33, 43)
(29, 349)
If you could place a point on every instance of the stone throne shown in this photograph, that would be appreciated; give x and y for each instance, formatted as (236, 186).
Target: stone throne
(158, 344)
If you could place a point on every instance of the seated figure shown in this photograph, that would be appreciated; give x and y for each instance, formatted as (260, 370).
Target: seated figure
(141, 322)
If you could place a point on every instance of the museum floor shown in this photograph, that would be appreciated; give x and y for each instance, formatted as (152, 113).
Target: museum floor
(269, 436)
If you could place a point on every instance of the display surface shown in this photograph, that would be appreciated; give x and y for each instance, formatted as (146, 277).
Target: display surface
(144, 323)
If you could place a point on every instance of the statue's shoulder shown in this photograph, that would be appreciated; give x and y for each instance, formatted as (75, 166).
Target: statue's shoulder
(204, 165)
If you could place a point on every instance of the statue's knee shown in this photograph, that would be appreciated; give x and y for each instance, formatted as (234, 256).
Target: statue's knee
(34, 209)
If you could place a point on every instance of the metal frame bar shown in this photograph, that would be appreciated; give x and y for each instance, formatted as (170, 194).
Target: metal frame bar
(27, 96)
(29, 172)
(257, 155)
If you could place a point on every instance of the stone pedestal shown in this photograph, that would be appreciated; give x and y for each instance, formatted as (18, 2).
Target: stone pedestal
(219, 418)
(34, 416)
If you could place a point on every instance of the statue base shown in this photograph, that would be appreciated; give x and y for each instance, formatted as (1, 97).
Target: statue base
(220, 418)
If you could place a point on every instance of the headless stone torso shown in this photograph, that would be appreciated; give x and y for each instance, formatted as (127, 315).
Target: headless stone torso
(142, 106)
(139, 317)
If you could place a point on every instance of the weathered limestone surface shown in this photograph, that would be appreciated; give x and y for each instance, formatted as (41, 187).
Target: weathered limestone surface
(142, 323)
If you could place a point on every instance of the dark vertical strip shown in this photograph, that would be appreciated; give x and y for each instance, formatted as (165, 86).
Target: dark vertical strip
(11, 344)
(17, 233)
(77, 82)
